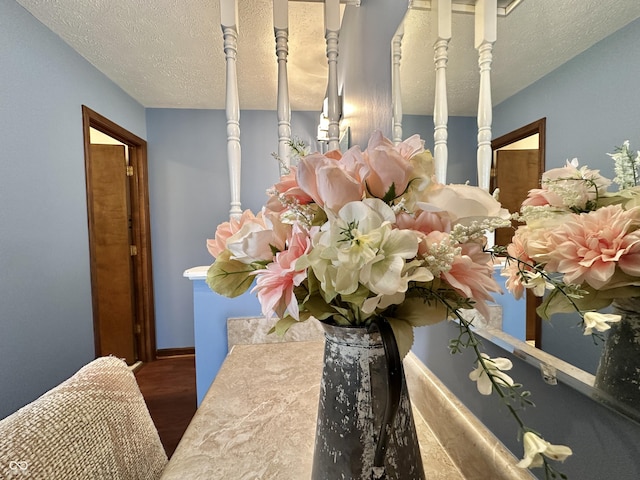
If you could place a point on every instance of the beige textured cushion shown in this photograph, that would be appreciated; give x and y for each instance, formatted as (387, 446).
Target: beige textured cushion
(95, 425)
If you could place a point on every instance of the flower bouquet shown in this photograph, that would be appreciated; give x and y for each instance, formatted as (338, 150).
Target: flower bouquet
(580, 249)
(352, 238)
(580, 244)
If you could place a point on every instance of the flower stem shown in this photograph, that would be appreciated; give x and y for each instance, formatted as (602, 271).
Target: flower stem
(507, 399)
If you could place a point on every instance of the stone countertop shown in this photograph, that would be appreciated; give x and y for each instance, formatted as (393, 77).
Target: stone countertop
(258, 419)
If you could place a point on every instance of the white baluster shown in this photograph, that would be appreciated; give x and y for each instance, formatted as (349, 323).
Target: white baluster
(396, 92)
(442, 9)
(229, 23)
(485, 36)
(332, 31)
(281, 30)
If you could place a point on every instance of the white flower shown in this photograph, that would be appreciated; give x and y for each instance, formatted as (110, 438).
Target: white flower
(599, 321)
(256, 241)
(572, 187)
(360, 246)
(627, 167)
(463, 203)
(247, 244)
(495, 367)
(535, 447)
(536, 282)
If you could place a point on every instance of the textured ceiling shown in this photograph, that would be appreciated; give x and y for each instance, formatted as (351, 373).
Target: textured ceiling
(168, 53)
(534, 39)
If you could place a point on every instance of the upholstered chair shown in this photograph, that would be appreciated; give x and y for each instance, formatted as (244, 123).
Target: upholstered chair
(95, 425)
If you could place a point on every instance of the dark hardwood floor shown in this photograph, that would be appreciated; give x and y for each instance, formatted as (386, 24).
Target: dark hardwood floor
(168, 385)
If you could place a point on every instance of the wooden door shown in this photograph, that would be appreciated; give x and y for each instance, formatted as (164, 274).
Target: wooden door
(112, 267)
(515, 173)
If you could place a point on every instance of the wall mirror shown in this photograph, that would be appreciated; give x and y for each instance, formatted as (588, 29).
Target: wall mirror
(558, 348)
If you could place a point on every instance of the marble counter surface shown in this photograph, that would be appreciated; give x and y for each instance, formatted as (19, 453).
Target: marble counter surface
(257, 421)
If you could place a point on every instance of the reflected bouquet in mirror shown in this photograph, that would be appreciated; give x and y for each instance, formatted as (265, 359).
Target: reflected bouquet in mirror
(369, 237)
(580, 244)
(580, 250)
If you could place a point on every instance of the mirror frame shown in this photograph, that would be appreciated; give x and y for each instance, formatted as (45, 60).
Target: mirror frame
(533, 321)
(553, 369)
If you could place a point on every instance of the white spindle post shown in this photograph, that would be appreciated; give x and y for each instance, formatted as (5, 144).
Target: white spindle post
(332, 31)
(485, 35)
(229, 23)
(442, 9)
(281, 30)
(396, 94)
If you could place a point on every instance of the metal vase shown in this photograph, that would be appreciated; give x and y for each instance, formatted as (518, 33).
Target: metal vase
(365, 426)
(618, 374)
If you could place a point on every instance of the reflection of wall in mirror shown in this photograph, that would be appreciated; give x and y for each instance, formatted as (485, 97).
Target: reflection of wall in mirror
(513, 311)
(590, 106)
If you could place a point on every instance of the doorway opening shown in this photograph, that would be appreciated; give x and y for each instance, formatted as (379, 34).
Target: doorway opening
(518, 165)
(119, 240)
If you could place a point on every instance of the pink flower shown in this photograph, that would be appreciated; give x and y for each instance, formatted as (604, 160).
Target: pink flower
(588, 246)
(275, 284)
(513, 268)
(471, 275)
(424, 223)
(288, 188)
(332, 180)
(538, 197)
(258, 238)
(389, 165)
(568, 187)
(225, 230)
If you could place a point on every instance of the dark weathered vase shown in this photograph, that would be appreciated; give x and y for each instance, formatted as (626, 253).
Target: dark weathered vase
(353, 397)
(618, 374)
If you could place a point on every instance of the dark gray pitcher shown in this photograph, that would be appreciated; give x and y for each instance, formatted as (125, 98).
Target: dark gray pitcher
(365, 428)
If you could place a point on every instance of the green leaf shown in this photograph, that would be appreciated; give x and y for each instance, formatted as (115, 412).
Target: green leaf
(282, 326)
(421, 311)
(554, 302)
(403, 332)
(228, 277)
(317, 307)
(358, 297)
(390, 195)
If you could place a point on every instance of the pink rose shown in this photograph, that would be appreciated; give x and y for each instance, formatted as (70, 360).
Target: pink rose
(389, 168)
(569, 187)
(424, 223)
(538, 197)
(287, 190)
(331, 182)
(225, 230)
(258, 238)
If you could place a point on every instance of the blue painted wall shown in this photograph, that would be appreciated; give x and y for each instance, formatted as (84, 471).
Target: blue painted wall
(189, 196)
(462, 144)
(591, 105)
(46, 323)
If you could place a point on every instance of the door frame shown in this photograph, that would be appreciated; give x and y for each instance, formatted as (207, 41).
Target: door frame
(533, 321)
(141, 231)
